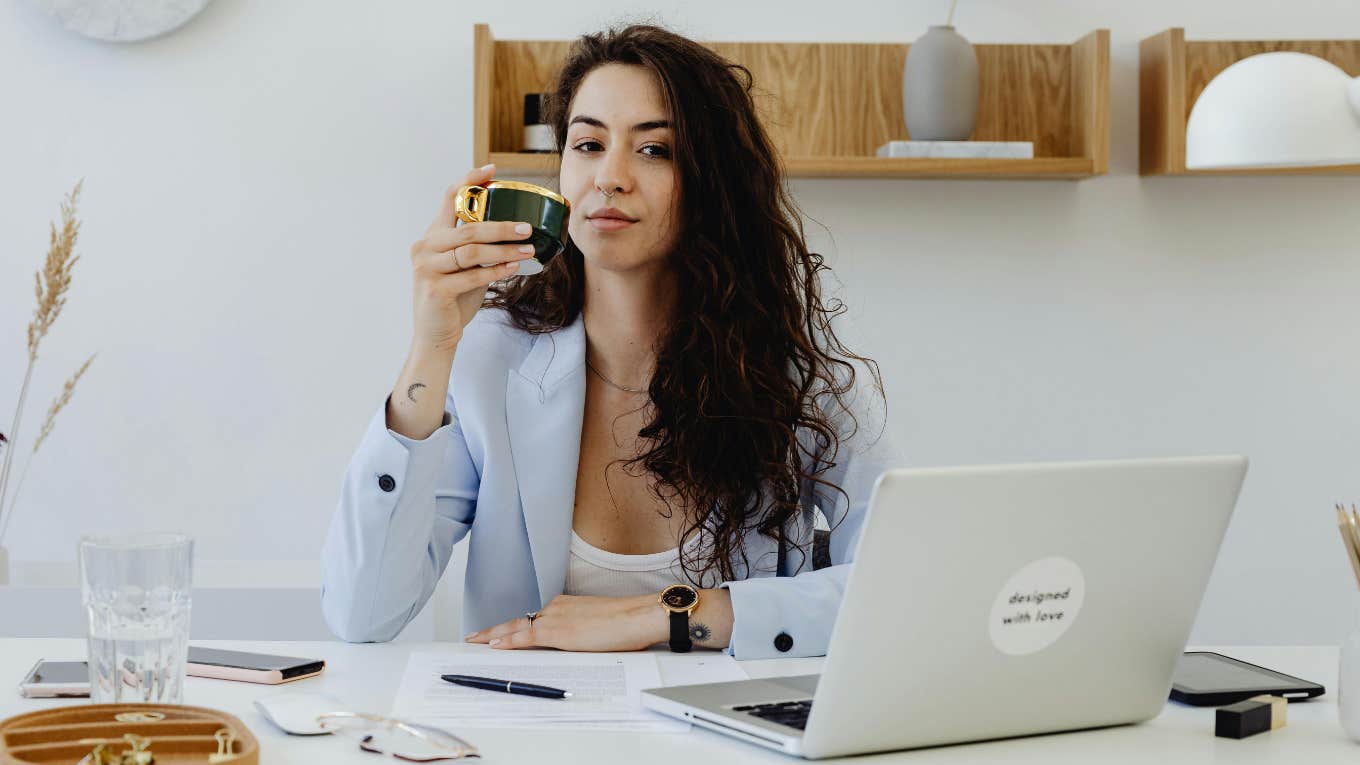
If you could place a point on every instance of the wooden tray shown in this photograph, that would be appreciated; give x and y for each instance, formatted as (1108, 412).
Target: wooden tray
(66, 734)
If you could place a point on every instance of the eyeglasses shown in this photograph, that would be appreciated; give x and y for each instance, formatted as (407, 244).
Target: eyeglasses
(403, 740)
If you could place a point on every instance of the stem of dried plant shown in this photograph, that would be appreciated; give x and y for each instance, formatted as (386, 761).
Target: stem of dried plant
(58, 403)
(50, 286)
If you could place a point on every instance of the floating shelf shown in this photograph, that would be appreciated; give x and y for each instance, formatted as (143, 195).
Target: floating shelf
(829, 106)
(1172, 72)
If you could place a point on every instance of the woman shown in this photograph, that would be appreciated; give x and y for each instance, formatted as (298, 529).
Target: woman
(661, 409)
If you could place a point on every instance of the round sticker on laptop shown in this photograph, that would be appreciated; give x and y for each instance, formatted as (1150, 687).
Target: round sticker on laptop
(1038, 604)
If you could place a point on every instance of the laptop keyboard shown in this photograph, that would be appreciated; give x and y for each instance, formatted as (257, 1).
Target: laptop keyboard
(791, 713)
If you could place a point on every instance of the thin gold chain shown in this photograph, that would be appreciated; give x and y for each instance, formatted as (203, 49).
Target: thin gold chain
(623, 388)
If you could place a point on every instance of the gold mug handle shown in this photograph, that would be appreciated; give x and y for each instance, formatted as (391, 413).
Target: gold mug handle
(470, 204)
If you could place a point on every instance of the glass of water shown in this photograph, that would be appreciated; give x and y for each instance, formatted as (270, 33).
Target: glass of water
(135, 588)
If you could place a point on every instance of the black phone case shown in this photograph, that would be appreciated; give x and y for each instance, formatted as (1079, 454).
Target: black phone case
(1219, 698)
(303, 666)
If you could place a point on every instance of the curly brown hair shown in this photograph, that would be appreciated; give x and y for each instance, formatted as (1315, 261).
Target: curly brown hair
(750, 350)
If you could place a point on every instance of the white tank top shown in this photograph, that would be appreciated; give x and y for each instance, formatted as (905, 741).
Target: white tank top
(592, 571)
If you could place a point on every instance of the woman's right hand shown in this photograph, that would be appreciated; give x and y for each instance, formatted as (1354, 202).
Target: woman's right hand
(454, 264)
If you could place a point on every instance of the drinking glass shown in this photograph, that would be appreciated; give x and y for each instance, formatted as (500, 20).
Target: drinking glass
(136, 593)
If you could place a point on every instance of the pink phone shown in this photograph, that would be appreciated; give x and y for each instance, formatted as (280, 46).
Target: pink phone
(250, 667)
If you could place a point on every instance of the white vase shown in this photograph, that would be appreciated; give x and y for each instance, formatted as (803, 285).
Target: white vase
(1348, 680)
(940, 87)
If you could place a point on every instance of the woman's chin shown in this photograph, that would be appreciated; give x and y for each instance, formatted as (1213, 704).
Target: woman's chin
(611, 258)
(622, 251)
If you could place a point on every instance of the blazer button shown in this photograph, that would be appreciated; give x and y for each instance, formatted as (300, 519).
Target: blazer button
(783, 642)
(386, 482)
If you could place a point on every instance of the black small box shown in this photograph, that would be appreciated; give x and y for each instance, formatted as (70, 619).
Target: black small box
(1247, 718)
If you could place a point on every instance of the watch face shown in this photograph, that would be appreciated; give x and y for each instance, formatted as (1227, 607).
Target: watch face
(679, 596)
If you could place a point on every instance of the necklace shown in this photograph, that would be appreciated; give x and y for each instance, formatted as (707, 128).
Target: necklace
(611, 382)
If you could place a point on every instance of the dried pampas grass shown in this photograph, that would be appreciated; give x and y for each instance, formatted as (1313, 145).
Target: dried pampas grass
(61, 258)
(50, 286)
(57, 404)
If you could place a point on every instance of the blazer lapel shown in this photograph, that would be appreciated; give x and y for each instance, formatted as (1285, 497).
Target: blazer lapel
(545, 403)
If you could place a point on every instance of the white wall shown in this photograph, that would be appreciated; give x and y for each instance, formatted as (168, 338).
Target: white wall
(253, 182)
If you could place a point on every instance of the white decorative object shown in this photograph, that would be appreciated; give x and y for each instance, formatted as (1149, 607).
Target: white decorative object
(940, 86)
(122, 20)
(1281, 109)
(1348, 682)
(954, 149)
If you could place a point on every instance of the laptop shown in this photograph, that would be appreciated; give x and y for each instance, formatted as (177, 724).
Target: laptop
(998, 601)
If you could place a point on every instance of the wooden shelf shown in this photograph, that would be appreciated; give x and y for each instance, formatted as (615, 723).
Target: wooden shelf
(1172, 72)
(861, 167)
(829, 106)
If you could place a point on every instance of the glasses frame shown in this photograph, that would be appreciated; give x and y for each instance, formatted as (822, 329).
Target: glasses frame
(466, 750)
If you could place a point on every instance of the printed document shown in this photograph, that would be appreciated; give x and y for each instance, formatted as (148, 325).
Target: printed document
(605, 688)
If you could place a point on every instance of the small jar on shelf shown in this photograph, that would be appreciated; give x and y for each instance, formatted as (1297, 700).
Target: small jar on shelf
(538, 137)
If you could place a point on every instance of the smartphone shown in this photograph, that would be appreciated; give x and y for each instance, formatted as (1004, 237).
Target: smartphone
(56, 679)
(250, 667)
(1204, 678)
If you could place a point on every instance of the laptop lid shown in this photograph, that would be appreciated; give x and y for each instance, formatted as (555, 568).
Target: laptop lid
(988, 602)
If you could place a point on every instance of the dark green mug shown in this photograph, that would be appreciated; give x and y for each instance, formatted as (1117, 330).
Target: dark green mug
(547, 211)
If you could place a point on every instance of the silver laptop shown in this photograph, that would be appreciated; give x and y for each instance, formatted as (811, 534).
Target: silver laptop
(989, 602)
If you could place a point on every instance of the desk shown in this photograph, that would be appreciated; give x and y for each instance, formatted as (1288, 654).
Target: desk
(366, 676)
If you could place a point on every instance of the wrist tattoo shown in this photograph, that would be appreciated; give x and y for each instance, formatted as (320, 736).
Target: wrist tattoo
(699, 632)
(411, 389)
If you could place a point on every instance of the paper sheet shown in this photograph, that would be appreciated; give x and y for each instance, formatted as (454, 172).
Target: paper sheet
(605, 689)
(698, 668)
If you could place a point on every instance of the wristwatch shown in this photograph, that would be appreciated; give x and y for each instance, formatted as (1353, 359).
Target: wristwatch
(680, 600)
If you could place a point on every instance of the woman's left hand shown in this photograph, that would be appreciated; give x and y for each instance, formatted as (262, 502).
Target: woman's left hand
(584, 623)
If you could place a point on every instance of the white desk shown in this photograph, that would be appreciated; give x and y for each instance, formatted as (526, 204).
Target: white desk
(366, 676)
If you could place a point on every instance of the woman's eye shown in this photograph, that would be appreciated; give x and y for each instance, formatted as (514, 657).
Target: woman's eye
(650, 150)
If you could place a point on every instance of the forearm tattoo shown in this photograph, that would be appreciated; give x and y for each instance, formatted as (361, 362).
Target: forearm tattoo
(699, 633)
(411, 389)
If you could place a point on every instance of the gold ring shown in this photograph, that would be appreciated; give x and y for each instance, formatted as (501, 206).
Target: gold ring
(455, 259)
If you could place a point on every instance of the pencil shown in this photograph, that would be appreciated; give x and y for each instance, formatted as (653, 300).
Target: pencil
(1345, 522)
(1354, 526)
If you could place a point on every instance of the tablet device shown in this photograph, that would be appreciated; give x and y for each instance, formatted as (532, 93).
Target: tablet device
(1207, 679)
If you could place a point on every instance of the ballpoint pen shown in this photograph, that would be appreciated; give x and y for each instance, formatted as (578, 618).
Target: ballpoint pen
(507, 686)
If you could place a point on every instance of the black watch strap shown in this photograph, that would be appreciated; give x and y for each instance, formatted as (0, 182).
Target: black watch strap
(680, 642)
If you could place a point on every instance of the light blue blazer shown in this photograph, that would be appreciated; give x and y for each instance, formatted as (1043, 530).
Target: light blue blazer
(501, 470)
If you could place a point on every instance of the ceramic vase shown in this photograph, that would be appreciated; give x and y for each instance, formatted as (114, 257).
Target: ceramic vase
(940, 87)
